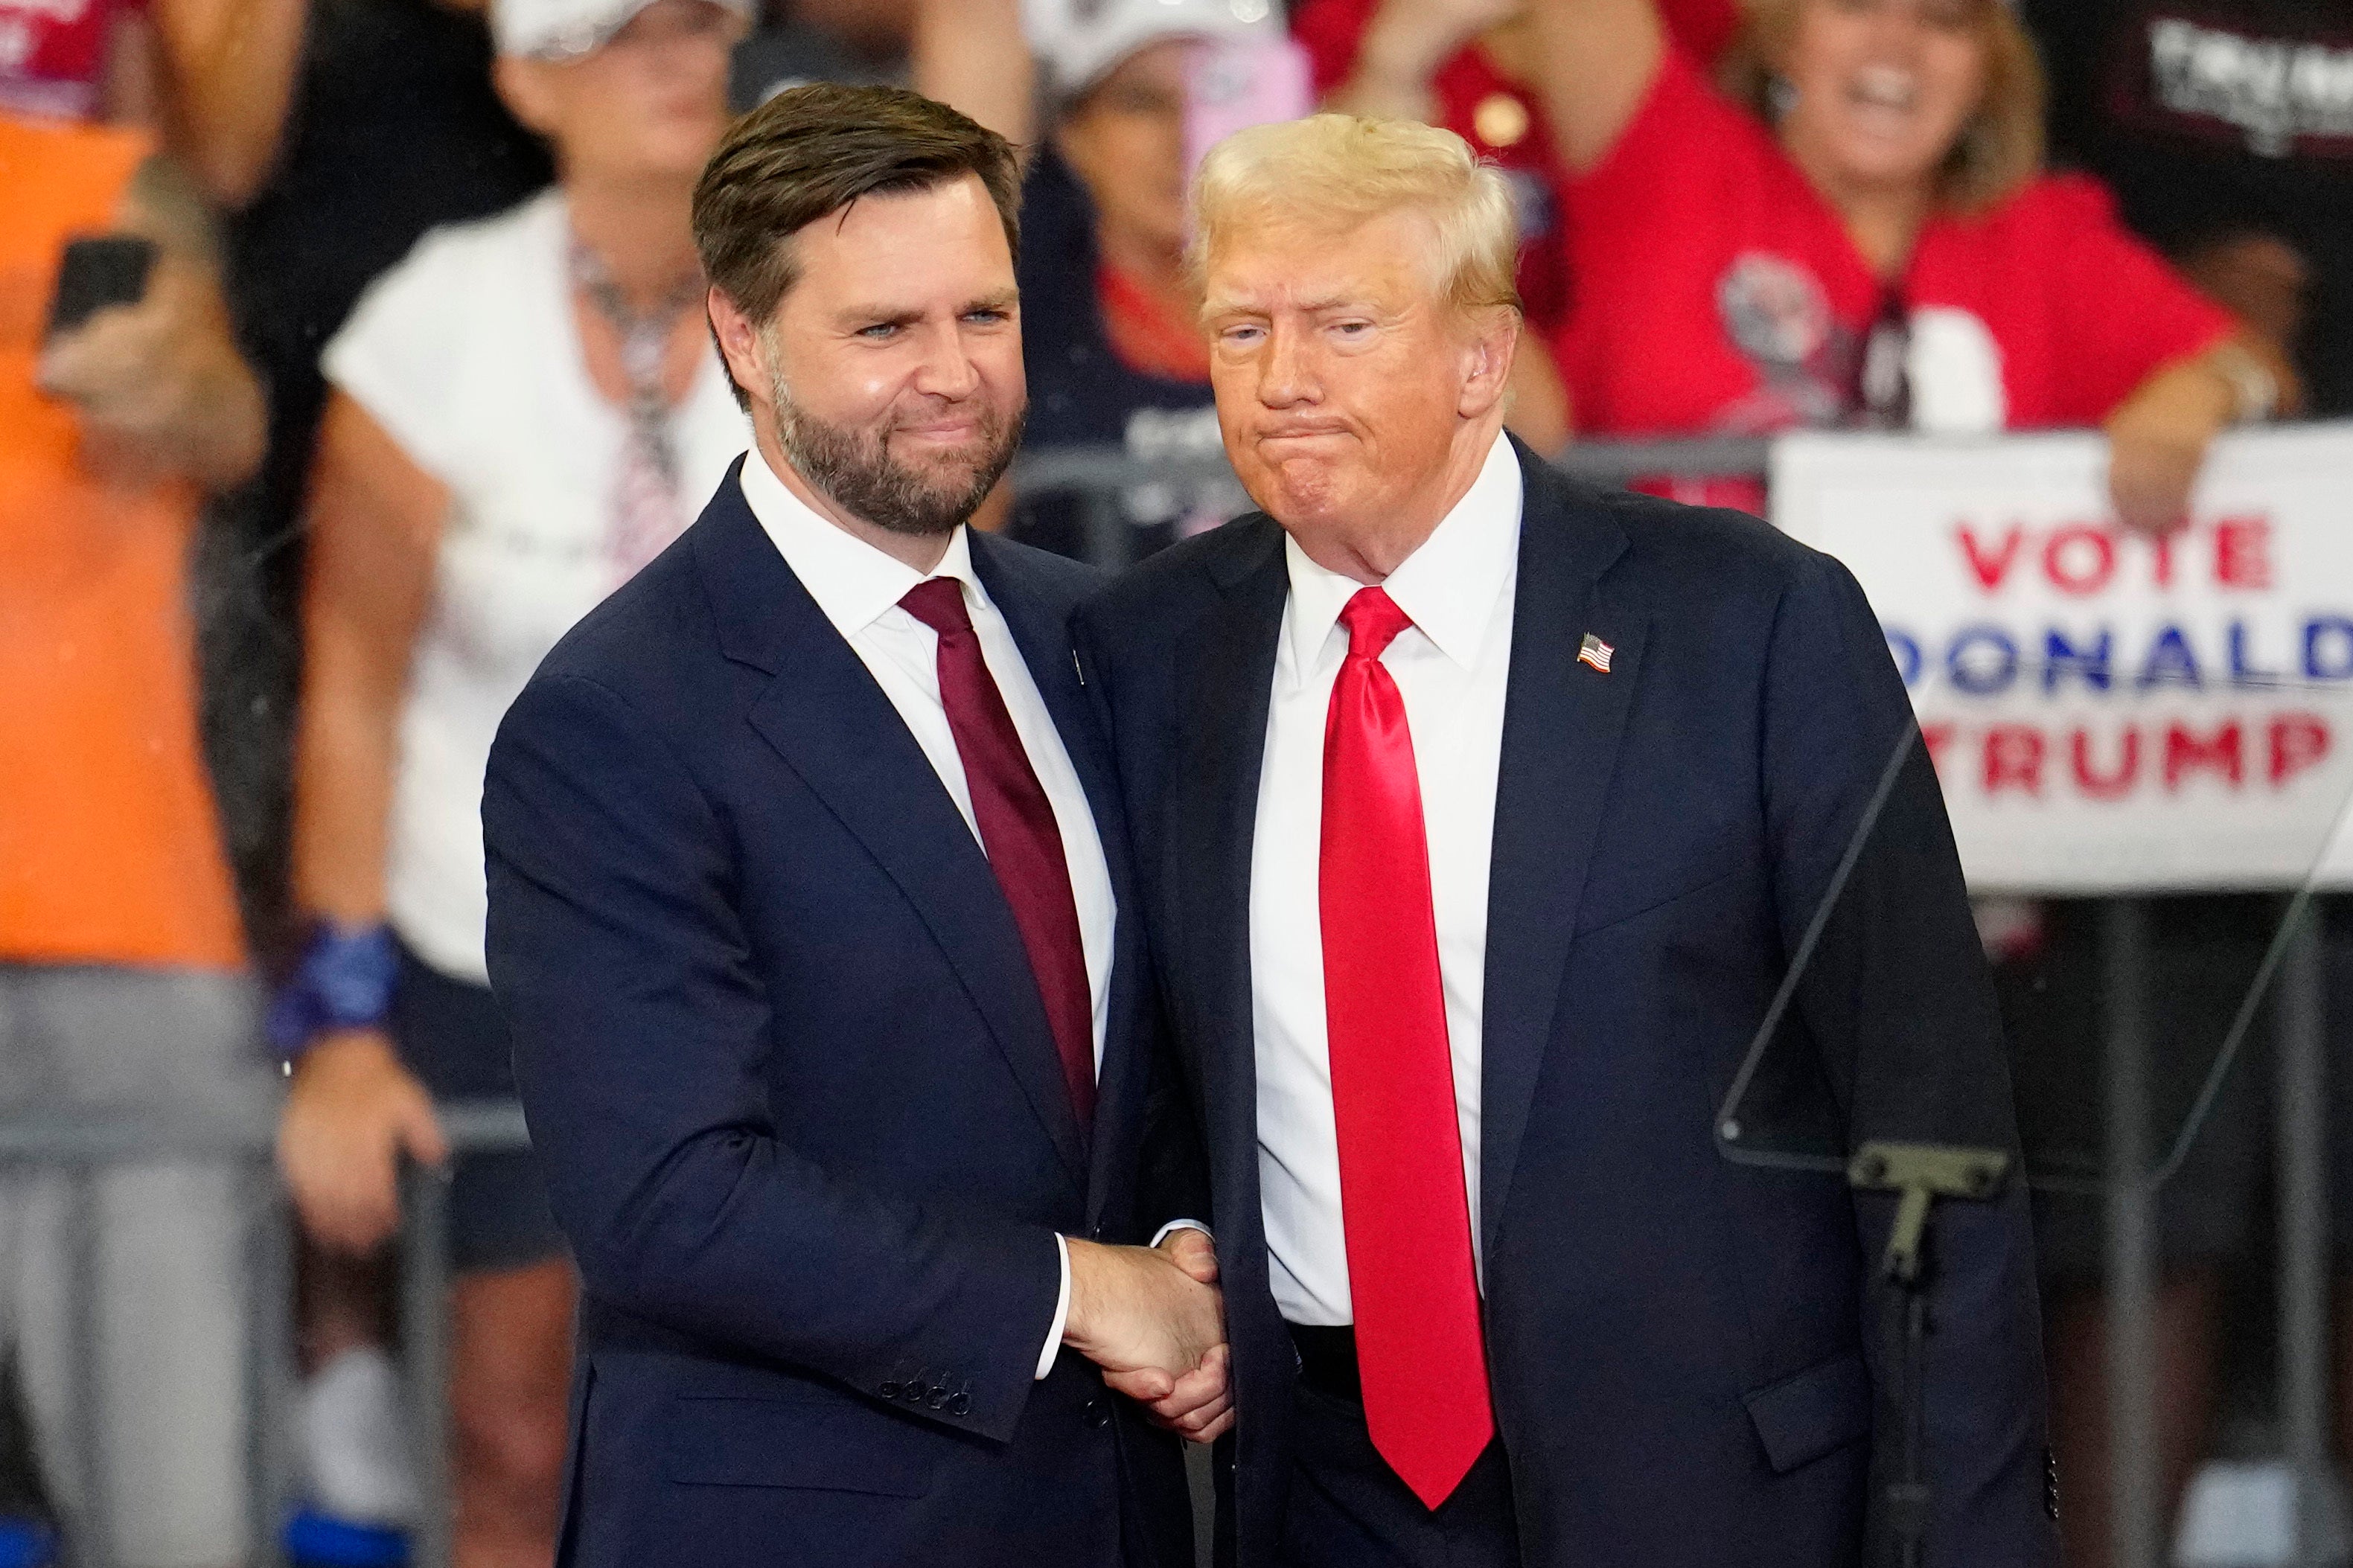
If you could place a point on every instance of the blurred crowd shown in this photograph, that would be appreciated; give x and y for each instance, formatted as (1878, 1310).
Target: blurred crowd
(351, 350)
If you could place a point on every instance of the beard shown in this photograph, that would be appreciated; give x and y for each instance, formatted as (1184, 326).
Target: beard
(856, 469)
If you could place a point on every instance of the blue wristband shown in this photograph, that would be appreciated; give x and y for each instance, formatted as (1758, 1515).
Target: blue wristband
(343, 981)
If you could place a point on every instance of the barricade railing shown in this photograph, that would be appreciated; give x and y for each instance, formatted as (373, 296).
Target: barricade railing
(79, 1144)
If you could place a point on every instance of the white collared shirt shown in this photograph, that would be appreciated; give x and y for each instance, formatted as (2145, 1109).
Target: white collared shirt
(1450, 667)
(857, 588)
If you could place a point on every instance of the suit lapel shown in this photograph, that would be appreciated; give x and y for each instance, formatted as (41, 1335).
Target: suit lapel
(1212, 824)
(828, 720)
(1563, 723)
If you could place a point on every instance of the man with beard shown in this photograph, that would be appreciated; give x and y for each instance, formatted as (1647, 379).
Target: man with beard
(811, 915)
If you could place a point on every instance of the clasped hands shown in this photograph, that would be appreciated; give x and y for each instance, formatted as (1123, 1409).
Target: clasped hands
(1152, 1318)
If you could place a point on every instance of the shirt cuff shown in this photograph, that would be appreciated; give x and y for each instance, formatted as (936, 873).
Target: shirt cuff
(1061, 1312)
(1175, 1225)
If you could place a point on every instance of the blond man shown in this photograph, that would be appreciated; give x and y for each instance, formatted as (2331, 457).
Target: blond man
(1480, 810)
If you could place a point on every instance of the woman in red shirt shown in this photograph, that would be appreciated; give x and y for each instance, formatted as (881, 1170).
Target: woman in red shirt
(1856, 229)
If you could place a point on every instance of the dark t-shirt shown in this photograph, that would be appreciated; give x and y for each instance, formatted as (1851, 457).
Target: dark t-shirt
(394, 129)
(1081, 395)
(2214, 116)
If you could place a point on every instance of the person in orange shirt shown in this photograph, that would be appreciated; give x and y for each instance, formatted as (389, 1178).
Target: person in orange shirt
(122, 966)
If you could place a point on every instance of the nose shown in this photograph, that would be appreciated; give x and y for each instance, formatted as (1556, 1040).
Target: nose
(948, 370)
(1285, 379)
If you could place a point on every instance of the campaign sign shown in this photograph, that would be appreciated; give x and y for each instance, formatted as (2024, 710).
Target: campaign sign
(2110, 713)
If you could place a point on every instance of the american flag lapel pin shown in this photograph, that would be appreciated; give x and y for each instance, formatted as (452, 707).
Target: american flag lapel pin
(1595, 652)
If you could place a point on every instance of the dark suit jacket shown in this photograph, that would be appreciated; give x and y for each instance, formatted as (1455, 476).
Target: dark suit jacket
(801, 1110)
(1682, 1361)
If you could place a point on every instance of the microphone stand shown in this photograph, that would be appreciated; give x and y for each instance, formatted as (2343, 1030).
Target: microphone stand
(1919, 1173)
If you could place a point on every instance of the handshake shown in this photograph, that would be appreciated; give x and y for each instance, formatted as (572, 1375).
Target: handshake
(1152, 1318)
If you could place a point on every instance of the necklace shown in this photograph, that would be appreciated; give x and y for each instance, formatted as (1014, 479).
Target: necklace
(647, 514)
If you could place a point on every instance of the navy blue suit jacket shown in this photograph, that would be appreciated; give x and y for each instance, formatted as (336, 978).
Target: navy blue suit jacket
(799, 1106)
(1682, 1352)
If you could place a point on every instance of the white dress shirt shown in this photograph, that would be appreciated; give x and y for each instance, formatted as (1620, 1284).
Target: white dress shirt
(858, 588)
(1450, 667)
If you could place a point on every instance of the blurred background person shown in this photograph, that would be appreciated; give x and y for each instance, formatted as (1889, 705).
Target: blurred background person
(1857, 231)
(1111, 331)
(377, 125)
(387, 127)
(523, 412)
(122, 983)
(2226, 131)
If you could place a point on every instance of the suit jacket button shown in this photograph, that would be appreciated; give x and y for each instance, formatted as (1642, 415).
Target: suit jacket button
(890, 1391)
(960, 1406)
(1097, 1412)
(938, 1397)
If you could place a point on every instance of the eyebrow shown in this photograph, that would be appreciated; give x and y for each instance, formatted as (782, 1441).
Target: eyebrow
(1213, 309)
(881, 315)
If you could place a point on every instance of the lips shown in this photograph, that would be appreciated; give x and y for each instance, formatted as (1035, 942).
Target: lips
(950, 430)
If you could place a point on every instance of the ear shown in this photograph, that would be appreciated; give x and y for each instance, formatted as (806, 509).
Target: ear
(523, 86)
(1487, 362)
(739, 345)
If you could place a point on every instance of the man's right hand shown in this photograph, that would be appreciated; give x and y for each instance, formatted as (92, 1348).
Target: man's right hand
(352, 1111)
(1138, 1314)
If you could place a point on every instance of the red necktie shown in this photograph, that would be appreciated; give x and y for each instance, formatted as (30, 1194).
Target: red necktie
(1403, 1206)
(1017, 831)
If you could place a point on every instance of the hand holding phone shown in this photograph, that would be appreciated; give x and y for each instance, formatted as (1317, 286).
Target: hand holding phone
(141, 345)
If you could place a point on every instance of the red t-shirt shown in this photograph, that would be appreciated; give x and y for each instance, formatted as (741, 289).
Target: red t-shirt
(53, 55)
(1718, 292)
(1499, 117)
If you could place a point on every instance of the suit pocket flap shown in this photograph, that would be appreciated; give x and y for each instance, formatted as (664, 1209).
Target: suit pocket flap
(828, 1444)
(1810, 1413)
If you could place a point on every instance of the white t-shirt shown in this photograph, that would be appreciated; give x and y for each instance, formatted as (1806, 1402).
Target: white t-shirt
(467, 354)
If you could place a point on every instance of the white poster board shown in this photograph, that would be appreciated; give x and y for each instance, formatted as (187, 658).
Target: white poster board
(2110, 713)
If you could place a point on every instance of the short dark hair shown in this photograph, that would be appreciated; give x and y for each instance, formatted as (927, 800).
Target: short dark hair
(814, 150)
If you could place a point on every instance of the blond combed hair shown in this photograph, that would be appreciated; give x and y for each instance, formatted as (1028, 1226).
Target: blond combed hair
(2000, 149)
(1328, 173)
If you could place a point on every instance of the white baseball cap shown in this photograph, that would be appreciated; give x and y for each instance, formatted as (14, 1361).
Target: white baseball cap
(566, 29)
(1080, 40)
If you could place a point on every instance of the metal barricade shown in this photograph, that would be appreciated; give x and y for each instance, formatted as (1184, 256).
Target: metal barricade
(81, 1143)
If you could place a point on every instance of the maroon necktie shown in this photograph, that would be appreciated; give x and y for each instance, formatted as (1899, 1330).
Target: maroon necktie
(1017, 831)
(1403, 1207)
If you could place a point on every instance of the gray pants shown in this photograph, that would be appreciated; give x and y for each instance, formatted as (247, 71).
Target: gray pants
(153, 1473)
